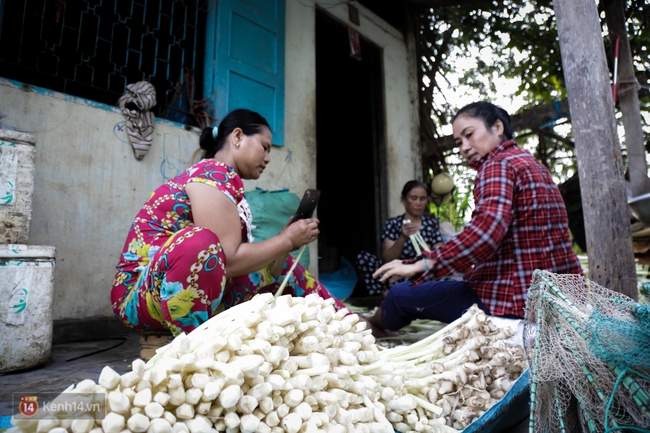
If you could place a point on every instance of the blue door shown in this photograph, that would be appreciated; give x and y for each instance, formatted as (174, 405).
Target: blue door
(248, 53)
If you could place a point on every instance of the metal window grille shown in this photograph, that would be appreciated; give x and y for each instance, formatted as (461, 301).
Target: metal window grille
(94, 48)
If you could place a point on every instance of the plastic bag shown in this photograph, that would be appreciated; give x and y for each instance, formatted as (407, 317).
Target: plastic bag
(271, 211)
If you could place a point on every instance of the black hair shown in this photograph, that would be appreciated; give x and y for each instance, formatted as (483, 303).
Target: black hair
(412, 184)
(248, 121)
(489, 114)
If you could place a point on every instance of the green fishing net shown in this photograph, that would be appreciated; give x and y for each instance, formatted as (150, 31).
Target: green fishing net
(620, 332)
(589, 351)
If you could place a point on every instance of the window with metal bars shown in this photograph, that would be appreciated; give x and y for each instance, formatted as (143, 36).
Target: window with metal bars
(94, 48)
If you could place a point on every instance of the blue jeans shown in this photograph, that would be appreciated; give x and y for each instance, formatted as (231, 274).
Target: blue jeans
(444, 301)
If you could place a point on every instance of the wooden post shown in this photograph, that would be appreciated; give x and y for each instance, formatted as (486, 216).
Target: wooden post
(600, 167)
(628, 98)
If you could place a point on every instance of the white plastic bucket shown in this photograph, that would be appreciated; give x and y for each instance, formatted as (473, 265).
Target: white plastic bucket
(17, 154)
(26, 289)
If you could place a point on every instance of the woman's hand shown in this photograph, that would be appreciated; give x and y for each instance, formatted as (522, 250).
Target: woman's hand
(398, 269)
(393, 248)
(302, 232)
(409, 229)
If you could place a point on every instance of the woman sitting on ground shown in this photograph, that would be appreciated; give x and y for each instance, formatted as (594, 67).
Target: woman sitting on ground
(397, 242)
(189, 253)
(519, 224)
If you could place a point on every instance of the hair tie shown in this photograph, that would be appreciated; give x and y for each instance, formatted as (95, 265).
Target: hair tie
(215, 131)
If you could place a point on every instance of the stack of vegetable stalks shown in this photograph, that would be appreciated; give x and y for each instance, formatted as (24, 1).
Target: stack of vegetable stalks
(297, 365)
(458, 373)
(414, 332)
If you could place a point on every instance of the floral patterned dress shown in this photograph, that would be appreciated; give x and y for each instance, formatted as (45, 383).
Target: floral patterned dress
(172, 275)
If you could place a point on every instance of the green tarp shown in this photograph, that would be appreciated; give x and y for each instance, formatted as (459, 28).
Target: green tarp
(271, 211)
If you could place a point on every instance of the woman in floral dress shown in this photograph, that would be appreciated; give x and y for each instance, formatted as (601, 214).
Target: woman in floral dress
(190, 254)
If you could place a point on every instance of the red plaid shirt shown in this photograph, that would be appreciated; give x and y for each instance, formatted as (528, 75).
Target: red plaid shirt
(519, 224)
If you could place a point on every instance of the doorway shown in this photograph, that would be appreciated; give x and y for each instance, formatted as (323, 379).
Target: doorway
(350, 150)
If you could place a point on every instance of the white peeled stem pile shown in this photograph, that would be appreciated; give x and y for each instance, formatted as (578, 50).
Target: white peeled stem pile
(292, 365)
(458, 373)
(266, 365)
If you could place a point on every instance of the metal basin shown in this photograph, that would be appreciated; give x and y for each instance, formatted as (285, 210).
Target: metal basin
(640, 207)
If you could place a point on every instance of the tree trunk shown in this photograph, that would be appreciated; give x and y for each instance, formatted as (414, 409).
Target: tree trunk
(628, 98)
(600, 167)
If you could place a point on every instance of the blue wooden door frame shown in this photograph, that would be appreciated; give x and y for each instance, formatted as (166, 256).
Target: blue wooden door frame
(244, 62)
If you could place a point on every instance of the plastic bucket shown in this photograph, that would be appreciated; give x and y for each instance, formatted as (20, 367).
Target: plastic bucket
(17, 153)
(26, 289)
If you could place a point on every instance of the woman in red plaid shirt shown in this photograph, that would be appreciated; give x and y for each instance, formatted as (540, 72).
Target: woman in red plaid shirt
(519, 224)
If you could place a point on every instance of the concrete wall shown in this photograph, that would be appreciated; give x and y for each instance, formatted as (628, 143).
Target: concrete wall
(88, 185)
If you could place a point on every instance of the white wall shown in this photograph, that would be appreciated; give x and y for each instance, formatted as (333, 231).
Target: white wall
(89, 186)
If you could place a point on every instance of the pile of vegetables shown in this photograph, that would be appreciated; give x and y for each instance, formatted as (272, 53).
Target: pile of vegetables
(458, 373)
(291, 364)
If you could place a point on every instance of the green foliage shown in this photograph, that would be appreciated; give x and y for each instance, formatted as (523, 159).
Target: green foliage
(458, 210)
(522, 41)
(514, 39)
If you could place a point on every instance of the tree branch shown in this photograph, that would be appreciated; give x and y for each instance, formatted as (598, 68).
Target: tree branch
(527, 119)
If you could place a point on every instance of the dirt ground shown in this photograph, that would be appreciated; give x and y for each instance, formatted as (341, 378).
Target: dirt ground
(70, 363)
